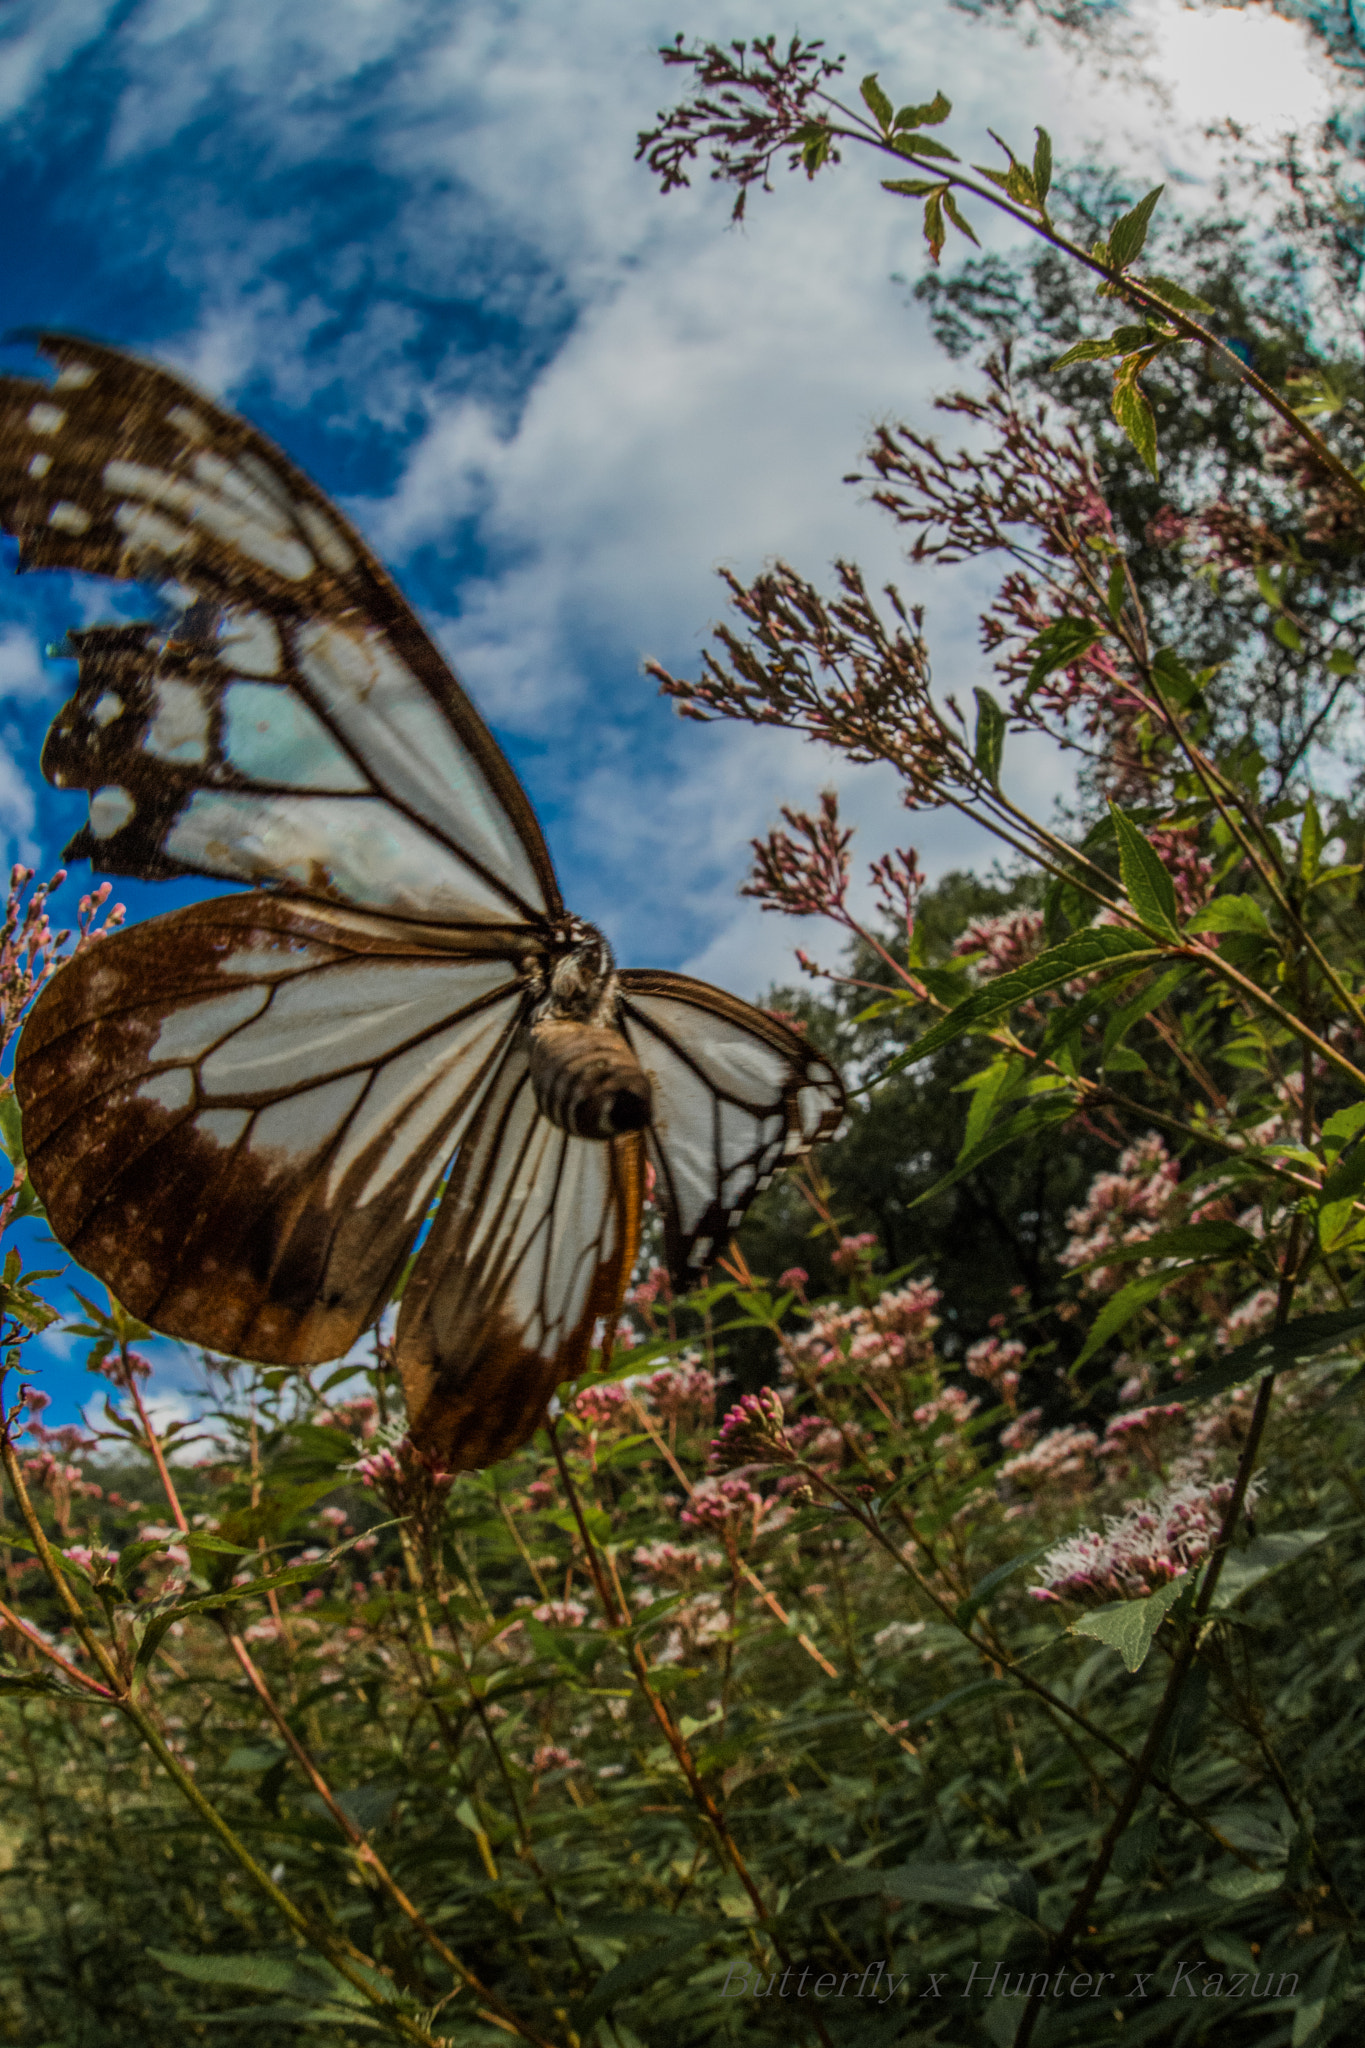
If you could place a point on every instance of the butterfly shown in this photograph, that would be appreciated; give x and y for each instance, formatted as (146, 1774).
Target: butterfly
(243, 1115)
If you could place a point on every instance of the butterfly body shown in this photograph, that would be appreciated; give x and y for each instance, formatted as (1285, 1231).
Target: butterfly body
(244, 1114)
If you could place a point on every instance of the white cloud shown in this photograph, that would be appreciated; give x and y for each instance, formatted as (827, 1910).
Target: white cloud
(23, 679)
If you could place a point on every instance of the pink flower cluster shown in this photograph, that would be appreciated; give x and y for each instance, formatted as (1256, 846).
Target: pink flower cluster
(893, 1333)
(1248, 1319)
(724, 1506)
(551, 1757)
(359, 1417)
(672, 1564)
(752, 1433)
(682, 1392)
(1151, 1543)
(854, 1253)
(407, 1481)
(997, 1360)
(1144, 1433)
(1059, 1456)
(602, 1407)
(1005, 942)
(1123, 1208)
(560, 1613)
(951, 1405)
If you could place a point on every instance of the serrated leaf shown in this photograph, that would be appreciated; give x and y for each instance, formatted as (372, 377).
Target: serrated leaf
(1195, 1243)
(1132, 410)
(876, 102)
(1231, 914)
(957, 217)
(911, 188)
(1042, 165)
(1176, 295)
(1256, 1560)
(989, 743)
(1146, 883)
(1059, 645)
(1279, 1350)
(1088, 352)
(935, 233)
(929, 115)
(1085, 952)
(1130, 1626)
(923, 145)
(633, 1973)
(966, 1887)
(1120, 1311)
(1129, 233)
(1025, 1124)
(1141, 1005)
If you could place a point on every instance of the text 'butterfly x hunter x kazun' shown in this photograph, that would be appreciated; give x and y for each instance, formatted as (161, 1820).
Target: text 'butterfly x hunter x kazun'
(239, 1115)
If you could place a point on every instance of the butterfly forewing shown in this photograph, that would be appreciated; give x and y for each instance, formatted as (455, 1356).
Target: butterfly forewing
(299, 728)
(533, 1244)
(736, 1095)
(238, 1114)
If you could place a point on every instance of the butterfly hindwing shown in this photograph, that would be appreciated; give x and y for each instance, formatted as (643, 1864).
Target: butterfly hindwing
(237, 1114)
(296, 726)
(533, 1243)
(737, 1094)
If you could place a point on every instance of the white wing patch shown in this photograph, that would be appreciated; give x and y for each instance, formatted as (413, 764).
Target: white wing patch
(357, 849)
(730, 1105)
(411, 753)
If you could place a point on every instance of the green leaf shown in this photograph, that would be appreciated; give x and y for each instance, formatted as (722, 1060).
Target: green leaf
(1025, 1124)
(304, 1976)
(989, 744)
(958, 218)
(879, 106)
(935, 233)
(911, 188)
(816, 142)
(1175, 679)
(1042, 165)
(1347, 1176)
(1231, 914)
(1119, 1312)
(1194, 1243)
(1176, 295)
(1117, 590)
(1304, 1338)
(1133, 412)
(634, 1973)
(1141, 1005)
(1310, 840)
(1065, 641)
(967, 1609)
(923, 145)
(1085, 952)
(929, 115)
(1342, 1126)
(1130, 1626)
(1146, 882)
(1128, 234)
(964, 1887)
(1245, 1568)
(1088, 352)
(1288, 634)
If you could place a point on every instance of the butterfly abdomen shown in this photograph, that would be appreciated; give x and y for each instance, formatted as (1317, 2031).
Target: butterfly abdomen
(587, 1080)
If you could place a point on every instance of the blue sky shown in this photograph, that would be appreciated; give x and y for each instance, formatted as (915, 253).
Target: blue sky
(408, 239)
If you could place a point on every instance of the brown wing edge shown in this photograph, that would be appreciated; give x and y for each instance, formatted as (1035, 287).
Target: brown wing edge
(136, 380)
(196, 1240)
(469, 1410)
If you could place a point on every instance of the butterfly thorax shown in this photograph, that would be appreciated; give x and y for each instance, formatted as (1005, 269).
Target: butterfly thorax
(585, 1076)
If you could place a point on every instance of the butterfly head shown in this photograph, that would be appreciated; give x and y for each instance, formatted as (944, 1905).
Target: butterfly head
(587, 1079)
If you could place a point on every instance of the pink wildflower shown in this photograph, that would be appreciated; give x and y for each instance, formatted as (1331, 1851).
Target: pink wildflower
(854, 1253)
(602, 1407)
(1059, 1456)
(560, 1613)
(1123, 1208)
(1005, 941)
(551, 1757)
(1150, 1544)
(753, 1433)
